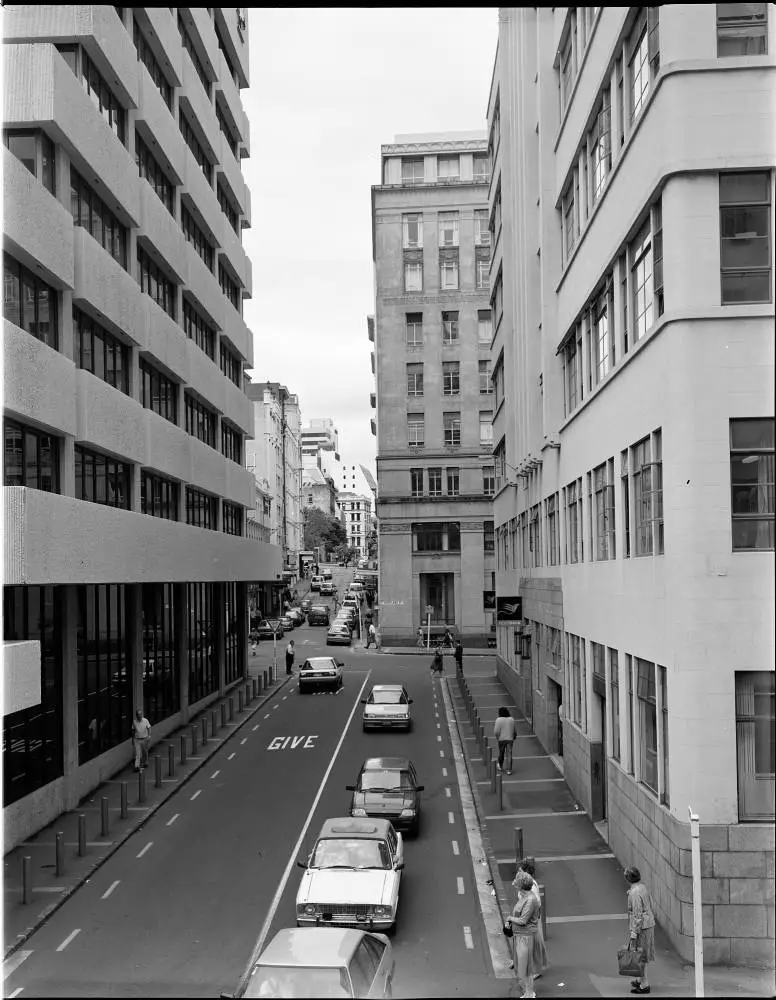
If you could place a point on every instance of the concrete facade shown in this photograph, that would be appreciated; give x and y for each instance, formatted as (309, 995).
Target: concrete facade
(318, 490)
(320, 436)
(355, 512)
(431, 360)
(616, 350)
(67, 403)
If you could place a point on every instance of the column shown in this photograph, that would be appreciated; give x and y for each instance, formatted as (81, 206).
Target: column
(180, 598)
(133, 607)
(242, 618)
(219, 600)
(69, 613)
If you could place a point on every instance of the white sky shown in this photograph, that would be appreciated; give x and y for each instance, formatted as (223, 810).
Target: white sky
(328, 87)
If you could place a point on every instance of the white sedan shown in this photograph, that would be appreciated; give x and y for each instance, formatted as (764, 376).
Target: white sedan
(320, 671)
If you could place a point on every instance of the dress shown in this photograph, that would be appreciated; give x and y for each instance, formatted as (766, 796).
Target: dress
(527, 947)
(641, 919)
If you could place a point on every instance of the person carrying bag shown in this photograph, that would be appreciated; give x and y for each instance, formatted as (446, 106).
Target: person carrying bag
(640, 949)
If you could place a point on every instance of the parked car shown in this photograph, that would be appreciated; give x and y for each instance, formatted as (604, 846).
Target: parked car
(353, 875)
(320, 671)
(327, 588)
(288, 623)
(306, 604)
(387, 788)
(339, 634)
(318, 615)
(297, 614)
(322, 962)
(315, 583)
(265, 629)
(388, 706)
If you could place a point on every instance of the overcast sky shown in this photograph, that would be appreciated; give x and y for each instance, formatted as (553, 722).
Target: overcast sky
(328, 86)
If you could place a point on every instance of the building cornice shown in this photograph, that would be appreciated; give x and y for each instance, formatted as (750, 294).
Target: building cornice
(434, 146)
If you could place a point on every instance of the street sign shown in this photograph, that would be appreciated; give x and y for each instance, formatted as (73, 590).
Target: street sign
(429, 609)
(276, 625)
(509, 609)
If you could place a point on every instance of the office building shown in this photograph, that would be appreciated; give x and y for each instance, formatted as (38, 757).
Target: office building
(355, 511)
(318, 490)
(319, 436)
(125, 416)
(632, 153)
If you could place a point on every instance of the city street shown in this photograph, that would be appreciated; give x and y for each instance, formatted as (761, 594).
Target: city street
(180, 908)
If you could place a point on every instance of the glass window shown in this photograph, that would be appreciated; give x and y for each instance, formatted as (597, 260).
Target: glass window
(435, 482)
(601, 147)
(641, 282)
(230, 288)
(231, 443)
(200, 421)
(436, 537)
(742, 29)
(191, 140)
(448, 274)
(570, 208)
(201, 509)
(481, 230)
(614, 698)
(234, 636)
(603, 512)
(571, 370)
(488, 480)
(31, 458)
(453, 482)
(482, 272)
(149, 60)
(149, 168)
(412, 230)
(414, 329)
(231, 518)
(745, 237)
(415, 429)
(231, 365)
(415, 380)
(413, 277)
(36, 151)
(97, 89)
(449, 327)
(603, 341)
(639, 67)
(484, 327)
(647, 477)
(155, 283)
(481, 167)
(574, 541)
(451, 423)
(416, 482)
(30, 303)
(188, 44)
(486, 427)
(157, 392)
(99, 352)
(647, 705)
(752, 483)
(451, 378)
(161, 688)
(448, 168)
(756, 744)
(412, 170)
(228, 208)
(448, 229)
(551, 513)
(159, 496)
(103, 480)
(197, 329)
(202, 627)
(486, 386)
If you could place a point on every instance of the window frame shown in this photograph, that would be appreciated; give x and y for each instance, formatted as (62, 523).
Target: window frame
(408, 219)
(416, 429)
(451, 378)
(31, 471)
(87, 329)
(159, 496)
(102, 479)
(45, 150)
(415, 326)
(728, 209)
(434, 481)
(18, 282)
(413, 270)
(414, 371)
(762, 453)
(450, 327)
(158, 392)
(451, 428)
(732, 30)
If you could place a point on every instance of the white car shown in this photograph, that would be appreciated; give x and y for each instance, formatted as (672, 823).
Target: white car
(353, 876)
(387, 707)
(320, 671)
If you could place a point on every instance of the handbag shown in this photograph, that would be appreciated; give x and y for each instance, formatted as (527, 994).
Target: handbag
(507, 929)
(631, 960)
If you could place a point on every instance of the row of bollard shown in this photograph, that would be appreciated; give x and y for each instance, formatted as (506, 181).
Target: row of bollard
(252, 689)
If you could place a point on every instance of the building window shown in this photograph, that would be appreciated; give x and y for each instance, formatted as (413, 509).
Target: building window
(551, 511)
(481, 230)
(451, 424)
(448, 229)
(484, 327)
(486, 427)
(197, 238)
(603, 511)
(436, 537)
(415, 380)
(414, 329)
(486, 386)
(104, 669)
(201, 509)
(227, 132)
(412, 170)
(198, 152)
(451, 378)
(488, 537)
(614, 698)
(413, 277)
(499, 456)
(435, 482)
(481, 273)
(234, 634)
(200, 421)
(158, 496)
(99, 352)
(198, 330)
(488, 480)
(535, 535)
(450, 327)
(228, 208)
(570, 208)
(497, 299)
(742, 29)
(603, 341)
(35, 150)
(647, 706)
(640, 251)
(648, 495)
(32, 737)
(448, 275)
(601, 147)
(102, 480)
(155, 283)
(453, 482)
(157, 392)
(756, 744)
(574, 540)
(415, 430)
(202, 628)
(98, 90)
(31, 458)
(481, 168)
(161, 690)
(568, 60)
(230, 365)
(89, 212)
(29, 302)
(572, 373)
(230, 288)
(231, 443)
(625, 480)
(448, 168)
(231, 518)
(188, 44)
(577, 676)
(412, 231)
(745, 237)
(149, 60)
(752, 483)
(416, 482)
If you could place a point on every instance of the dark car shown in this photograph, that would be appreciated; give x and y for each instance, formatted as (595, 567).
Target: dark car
(387, 788)
(305, 604)
(318, 615)
(339, 634)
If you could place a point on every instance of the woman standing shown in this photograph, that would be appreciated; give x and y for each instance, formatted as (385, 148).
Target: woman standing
(525, 920)
(437, 665)
(641, 920)
(540, 952)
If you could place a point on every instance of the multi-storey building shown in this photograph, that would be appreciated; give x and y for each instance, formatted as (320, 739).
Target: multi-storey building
(631, 213)
(125, 416)
(355, 512)
(318, 490)
(432, 333)
(275, 456)
(320, 436)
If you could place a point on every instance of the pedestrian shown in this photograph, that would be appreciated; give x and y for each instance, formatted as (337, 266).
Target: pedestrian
(540, 954)
(437, 664)
(505, 732)
(459, 656)
(378, 639)
(141, 737)
(448, 639)
(290, 657)
(370, 636)
(420, 636)
(641, 923)
(525, 920)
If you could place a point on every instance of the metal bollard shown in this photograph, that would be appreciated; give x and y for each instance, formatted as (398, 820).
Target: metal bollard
(124, 800)
(248, 693)
(223, 715)
(193, 740)
(493, 774)
(203, 724)
(231, 707)
(104, 817)
(81, 835)
(255, 687)
(59, 853)
(141, 786)
(157, 771)
(543, 898)
(518, 845)
(265, 680)
(26, 879)
(170, 761)
(183, 748)
(239, 700)
(213, 722)
(500, 790)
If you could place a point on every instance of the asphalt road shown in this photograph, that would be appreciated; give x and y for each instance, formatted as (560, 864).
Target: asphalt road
(180, 908)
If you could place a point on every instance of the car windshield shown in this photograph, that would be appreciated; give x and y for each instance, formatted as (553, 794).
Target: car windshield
(271, 981)
(350, 853)
(387, 698)
(385, 781)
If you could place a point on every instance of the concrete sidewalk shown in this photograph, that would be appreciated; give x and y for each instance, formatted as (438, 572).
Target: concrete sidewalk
(585, 903)
(50, 889)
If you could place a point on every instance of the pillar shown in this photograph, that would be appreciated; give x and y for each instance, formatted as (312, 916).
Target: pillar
(180, 597)
(69, 620)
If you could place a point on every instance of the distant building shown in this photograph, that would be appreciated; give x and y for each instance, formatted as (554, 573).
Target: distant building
(320, 435)
(318, 490)
(356, 514)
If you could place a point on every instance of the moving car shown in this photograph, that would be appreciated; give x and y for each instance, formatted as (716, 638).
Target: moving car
(297, 614)
(327, 587)
(320, 671)
(306, 604)
(318, 615)
(322, 962)
(326, 573)
(315, 583)
(353, 875)
(387, 787)
(388, 706)
(339, 634)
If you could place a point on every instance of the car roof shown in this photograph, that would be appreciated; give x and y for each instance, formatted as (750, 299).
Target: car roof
(324, 947)
(387, 687)
(347, 826)
(319, 607)
(316, 660)
(387, 764)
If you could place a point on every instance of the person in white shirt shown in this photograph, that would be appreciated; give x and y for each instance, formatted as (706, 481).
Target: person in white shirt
(505, 732)
(141, 737)
(370, 636)
(290, 657)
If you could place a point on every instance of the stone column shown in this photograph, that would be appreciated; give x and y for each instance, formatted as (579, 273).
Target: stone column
(180, 599)
(220, 612)
(69, 619)
(133, 593)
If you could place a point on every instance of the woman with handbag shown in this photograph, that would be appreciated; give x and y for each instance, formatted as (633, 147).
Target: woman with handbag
(641, 922)
(524, 927)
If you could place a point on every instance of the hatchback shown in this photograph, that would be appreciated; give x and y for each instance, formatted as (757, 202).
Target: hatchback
(387, 787)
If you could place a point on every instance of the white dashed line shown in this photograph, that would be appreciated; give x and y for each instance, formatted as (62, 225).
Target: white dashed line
(444, 772)
(215, 774)
(12, 964)
(256, 726)
(438, 726)
(266, 716)
(275, 708)
(146, 848)
(16, 992)
(194, 796)
(68, 939)
(439, 739)
(284, 697)
(450, 818)
(172, 820)
(441, 753)
(231, 755)
(459, 882)
(448, 793)
(456, 848)
(243, 742)
(110, 890)
(467, 936)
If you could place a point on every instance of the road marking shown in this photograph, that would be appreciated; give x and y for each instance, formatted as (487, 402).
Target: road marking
(256, 726)
(541, 815)
(215, 774)
(284, 697)
(16, 992)
(194, 796)
(444, 772)
(243, 742)
(266, 716)
(456, 848)
(14, 962)
(231, 755)
(450, 818)
(467, 936)
(438, 726)
(295, 853)
(172, 820)
(459, 882)
(68, 939)
(275, 708)
(147, 847)
(587, 918)
(110, 890)
(439, 739)
(448, 793)
(441, 753)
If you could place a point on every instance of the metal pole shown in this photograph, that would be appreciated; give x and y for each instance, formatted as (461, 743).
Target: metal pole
(239, 699)
(157, 771)
(500, 782)
(256, 688)
(248, 694)
(518, 845)
(231, 707)
(203, 724)
(170, 760)
(59, 853)
(193, 740)
(81, 835)
(265, 679)
(493, 774)
(223, 715)
(124, 800)
(543, 898)
(213, 722)
(183, 748)
(104, 817)
(26, 879)
(141, 786)
(697, 901)
(274, 650)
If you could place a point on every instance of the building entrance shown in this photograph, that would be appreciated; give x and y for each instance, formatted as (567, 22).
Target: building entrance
(554, 717)
(437, 591)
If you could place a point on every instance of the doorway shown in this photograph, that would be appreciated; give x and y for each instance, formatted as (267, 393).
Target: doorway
(437, 591)
(554, 717)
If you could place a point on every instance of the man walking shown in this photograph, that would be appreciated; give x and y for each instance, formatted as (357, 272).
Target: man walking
(459, 656)
(505, 732)
(290, 657)
(370, 636)
(141, 737)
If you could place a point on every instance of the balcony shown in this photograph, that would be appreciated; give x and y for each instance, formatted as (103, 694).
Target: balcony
(202, 194)
(370, 328)
(38, 382)
(160, 233)
(373, 426)
(162, 23)
(232, 99)
(231, 172)
(199, 109)
(158, 127)
(108, 419)
(103, 283)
